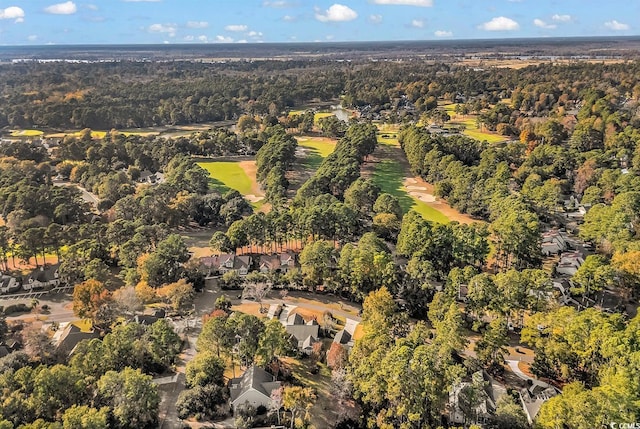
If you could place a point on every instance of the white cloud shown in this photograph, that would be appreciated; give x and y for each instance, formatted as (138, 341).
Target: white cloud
(616, 26)
(442, 33)
(336, 13)
(375, 19)
(500, 23)
(277, 4)
(197, 24)
(141, 1)
(242, 41)
(540, 23)
(289, 18)
(562, 18)
(236, 28)
(188, 38)
(203, 38)
(417, 23)
(32, 38)
(421, 3)
(254, 34)
(66, 8)
(12, 12)
(91, 7)
(224, 39)
(169, 29)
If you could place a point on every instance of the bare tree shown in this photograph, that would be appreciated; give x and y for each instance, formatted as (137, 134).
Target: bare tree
(257, 291)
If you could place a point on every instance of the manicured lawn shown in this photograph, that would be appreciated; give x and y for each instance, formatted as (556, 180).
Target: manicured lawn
(389, 175)
(391, 139)
(228, 175)
(471, 128)
(26, 133)
(316, 117)
(318, 150)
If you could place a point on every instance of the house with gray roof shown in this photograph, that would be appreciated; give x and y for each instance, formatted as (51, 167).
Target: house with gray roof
(69, 338)
(253, 388)
(42, 277)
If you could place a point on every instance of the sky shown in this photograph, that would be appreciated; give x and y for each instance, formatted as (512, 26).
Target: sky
(41, 22)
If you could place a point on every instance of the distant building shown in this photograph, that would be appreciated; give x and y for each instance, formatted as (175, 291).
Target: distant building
(253, 388)
(569, 263)
(553, 243)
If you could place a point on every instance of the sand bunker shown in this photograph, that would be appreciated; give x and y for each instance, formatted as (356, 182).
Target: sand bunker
(427, 198)
(252, 198)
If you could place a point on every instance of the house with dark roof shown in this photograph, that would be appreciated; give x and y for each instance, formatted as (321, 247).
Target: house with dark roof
(242, 264)
(305, 334)
(9, 284)
(67, 340)
(269, 263)
(534, 396)
(253, 388)
(42, 277)
(485, 391)
(345, 336)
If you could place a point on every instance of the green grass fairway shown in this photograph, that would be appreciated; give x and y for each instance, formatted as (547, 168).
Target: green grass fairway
(471, 128)
(26, 133)
(228, 175)
(318, 149)
(316, 117)
(391, 140)
(389, 175)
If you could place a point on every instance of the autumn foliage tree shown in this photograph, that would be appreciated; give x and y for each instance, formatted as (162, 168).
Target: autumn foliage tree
(88, 298)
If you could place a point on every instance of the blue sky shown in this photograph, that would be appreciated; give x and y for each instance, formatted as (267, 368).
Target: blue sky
(224, 21)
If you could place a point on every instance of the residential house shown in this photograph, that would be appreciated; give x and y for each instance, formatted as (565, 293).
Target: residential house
(282, 262)
(274, 311)
(148, 319)
(269, 264)
(287, 261)
(569, 263)
(486, 392)
(242, 264)
(226, 262)
(345, 336)
(147, 176)
(533, 397)
(42, 277)
(8, 284)
(253, 388)
(67, 339)
(305, 334)
(553, 243)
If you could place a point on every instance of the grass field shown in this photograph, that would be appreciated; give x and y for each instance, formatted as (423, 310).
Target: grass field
(317, 150)
(228, 175)
(316, 117)
(470, 127)
(390, 174)
(26, 133)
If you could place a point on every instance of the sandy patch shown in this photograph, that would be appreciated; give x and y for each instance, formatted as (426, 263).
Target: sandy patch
(252, 198)
(418, 188)
(250, 169)
(427, 198)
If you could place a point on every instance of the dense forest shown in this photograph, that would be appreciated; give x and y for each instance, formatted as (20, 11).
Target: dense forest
(571, 141)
